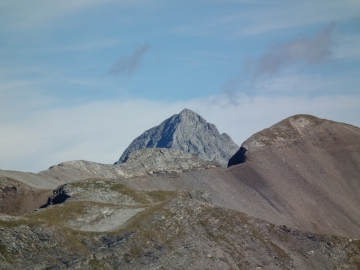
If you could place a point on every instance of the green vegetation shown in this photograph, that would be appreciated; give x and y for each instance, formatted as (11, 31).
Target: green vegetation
(5, 254)
(60, 214)
(138, 196)
(96, 264)
(282, 254)
(161, 195)
(15, 222)
(355, 255)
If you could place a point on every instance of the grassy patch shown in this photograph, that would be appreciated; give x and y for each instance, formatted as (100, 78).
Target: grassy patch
(60, 213)
(136, 195)
(139, 196)
(5, 254)
(282, 254)
(161, 195)
(96, 264)
(11, 223)
(355, 255)
(152, 229)
(89, 183)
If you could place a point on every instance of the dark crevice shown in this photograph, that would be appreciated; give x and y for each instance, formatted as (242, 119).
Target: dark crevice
(238, 158)
(56, 199)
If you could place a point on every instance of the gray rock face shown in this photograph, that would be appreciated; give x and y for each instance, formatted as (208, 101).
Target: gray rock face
(189, 132)
(158, 160)
(141, 162)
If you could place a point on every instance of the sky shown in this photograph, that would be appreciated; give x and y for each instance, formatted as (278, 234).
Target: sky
(81, 79)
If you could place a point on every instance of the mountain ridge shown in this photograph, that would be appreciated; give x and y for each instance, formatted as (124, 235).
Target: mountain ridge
(189, 132)
(138, 163)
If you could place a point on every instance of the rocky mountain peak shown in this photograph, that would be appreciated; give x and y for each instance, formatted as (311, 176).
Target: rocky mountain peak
(285, 131)
(189, 115)
(188, 132)
(296, 132)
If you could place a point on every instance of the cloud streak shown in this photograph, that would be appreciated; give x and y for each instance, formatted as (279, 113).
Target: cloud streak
(230, 92)
(304, 50)
(127, 65)
(311, 51)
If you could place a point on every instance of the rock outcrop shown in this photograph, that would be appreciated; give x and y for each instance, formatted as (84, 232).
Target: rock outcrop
(138, 163)
(188, 132)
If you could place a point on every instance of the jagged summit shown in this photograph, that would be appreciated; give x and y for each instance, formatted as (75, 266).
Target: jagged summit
(189, 132)
(186, 113)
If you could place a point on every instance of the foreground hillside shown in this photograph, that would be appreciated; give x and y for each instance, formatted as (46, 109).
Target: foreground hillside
(106, 225)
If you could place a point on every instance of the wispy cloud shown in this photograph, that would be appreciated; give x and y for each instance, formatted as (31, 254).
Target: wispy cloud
(230, 92)
(262, 70)
(310, 51)
(127, 65)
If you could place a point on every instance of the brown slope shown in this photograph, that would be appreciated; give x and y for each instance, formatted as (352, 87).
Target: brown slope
(302, 172)
(17, 198)
(309, 170)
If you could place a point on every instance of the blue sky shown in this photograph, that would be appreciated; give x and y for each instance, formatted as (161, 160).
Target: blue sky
(80, 79)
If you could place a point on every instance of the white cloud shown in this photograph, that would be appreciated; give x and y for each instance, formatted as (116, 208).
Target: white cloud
(100, 131)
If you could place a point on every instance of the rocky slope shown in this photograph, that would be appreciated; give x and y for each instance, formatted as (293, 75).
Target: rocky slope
(141, 162)
(159, 230)
(144, 161)
(189, 132)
